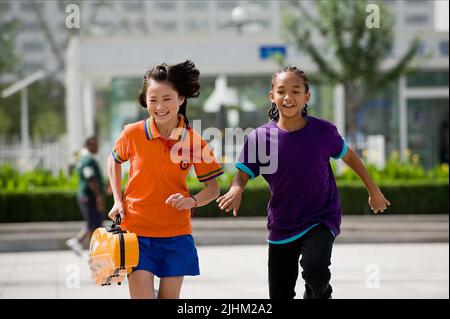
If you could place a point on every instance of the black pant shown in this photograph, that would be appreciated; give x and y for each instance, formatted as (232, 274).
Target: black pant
(315, 247)
(92, 216)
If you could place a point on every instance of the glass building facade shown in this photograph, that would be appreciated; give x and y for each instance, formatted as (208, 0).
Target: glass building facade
(427, 118)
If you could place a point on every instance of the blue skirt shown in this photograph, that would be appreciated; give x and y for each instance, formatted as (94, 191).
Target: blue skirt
(168, 256)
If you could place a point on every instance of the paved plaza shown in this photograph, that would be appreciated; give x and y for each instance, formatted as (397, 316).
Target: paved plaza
(372, 271)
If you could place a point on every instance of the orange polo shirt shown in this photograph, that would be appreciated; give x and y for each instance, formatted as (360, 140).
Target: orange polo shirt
(158, 169)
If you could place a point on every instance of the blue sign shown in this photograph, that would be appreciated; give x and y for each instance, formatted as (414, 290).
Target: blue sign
(267, 51)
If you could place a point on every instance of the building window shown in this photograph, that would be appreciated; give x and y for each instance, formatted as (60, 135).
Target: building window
(5, 6)
(196, 5)
(414, 2)
(197, 25)
(28, 6)
(428, 130)
(227, 5)
(32, 46)
(30, 26)
(103, 25)
(264, 24)
(389, 53)
(62, 5)
(31, 67)
(62, 26)
(416, 19)
(428, 79)
(133, 5)
(390, 3)
(167, 26)
(259, 4)
(164, 5)
(257, 26)
(422, 49)
(443, 48)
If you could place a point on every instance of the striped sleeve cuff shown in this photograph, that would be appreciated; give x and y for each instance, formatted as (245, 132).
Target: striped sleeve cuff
(210, 175)
(245, 169)
(117, 157)
(344, 150)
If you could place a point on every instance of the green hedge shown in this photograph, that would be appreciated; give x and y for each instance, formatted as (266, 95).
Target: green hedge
(411, 197)
(12, 180)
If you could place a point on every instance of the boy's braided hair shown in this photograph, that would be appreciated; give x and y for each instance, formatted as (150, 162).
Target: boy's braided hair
(273, 111)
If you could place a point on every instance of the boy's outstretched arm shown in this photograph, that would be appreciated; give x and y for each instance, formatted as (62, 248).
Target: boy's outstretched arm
(232, 199)
(377, 201)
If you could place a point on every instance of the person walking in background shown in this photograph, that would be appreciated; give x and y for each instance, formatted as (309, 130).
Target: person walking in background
(304, 212)
(156, 204)
(91, 196)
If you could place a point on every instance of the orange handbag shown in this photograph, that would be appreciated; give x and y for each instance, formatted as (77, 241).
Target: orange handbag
(113, 253)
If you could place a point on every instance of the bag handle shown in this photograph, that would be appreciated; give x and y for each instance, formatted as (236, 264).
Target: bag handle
(115, 226)
(115, 229)
(117, 220)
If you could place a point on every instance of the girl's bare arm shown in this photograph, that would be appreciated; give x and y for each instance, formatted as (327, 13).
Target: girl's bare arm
(115, 179)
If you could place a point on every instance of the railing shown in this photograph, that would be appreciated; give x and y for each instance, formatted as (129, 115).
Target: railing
(51, 156)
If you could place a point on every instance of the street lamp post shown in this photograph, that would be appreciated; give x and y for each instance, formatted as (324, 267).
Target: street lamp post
(24, 123)
(239, 18)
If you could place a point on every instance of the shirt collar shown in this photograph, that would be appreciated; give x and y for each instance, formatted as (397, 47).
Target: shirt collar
(177, 134)
(85, 152)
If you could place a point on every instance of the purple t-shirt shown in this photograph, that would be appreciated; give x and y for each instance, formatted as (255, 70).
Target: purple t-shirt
(297, 167)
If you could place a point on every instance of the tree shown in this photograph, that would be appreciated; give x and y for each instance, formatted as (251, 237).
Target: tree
(8, 59)
(46, 98)
(49, 33)
(347, 46)
(91, 24)
(8, 31)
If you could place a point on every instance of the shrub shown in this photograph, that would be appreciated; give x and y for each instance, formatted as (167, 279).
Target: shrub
(418, 197)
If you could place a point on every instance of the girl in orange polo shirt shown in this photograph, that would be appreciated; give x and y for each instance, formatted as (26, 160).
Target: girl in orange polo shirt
(156, 203)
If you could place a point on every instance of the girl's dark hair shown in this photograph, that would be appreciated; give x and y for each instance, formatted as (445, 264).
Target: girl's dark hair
(273, 111)
(183, 77)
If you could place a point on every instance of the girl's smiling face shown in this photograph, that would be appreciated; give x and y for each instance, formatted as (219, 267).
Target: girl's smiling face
(163, 102)
(289, 94)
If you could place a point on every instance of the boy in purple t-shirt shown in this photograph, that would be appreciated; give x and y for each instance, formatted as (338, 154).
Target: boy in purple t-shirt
(292, 152)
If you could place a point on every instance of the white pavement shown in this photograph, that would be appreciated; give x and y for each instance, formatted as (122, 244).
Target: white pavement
(407, 270)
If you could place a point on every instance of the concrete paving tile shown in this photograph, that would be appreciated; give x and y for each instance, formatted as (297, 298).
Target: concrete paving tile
(402, 271)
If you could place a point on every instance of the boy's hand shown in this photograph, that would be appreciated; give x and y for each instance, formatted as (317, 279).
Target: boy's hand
(180, 202)
(377, 202)
(117, 209)
(231, 200)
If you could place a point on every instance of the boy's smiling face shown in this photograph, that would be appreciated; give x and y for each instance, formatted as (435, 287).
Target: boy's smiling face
(289, 94)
